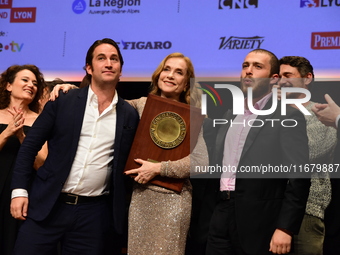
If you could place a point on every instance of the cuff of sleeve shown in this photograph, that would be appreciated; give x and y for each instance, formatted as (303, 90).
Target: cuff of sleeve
(19, 193)
(337, 121)
(286, 231)
(164, 168)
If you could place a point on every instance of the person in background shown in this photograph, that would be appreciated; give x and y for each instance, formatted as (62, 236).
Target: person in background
(329, 114)
(78, 196)
(21, 87)
(297, 72)
(47, 90)
(259, 214)
(204, 188)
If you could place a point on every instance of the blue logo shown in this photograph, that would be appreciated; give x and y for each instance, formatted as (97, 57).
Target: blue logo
(78, 6)
(309, 3)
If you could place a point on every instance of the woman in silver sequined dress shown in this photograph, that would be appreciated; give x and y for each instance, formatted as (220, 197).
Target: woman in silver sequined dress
(159, 218)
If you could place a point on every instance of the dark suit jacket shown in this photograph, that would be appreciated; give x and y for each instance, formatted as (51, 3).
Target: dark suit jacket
(264, 204)
(60, 124)
(332, 214)
(204, 198)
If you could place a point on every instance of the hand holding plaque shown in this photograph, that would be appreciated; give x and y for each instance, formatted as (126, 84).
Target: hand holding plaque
(148, 170)
(164, 133)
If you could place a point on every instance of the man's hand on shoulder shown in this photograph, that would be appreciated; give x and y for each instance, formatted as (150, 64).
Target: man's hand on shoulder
(64, 87)
(327, 113)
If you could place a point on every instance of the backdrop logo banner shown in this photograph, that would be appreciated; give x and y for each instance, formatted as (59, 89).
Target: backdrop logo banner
(142, 45)
(241, 43)
(23, 15)
(12, 46)
(5, 4)
(325, 40)
(237, 4)
(106, 7)
(4, 14)
(17, 14)
(79, 6)
(318, 3)
(309, 3)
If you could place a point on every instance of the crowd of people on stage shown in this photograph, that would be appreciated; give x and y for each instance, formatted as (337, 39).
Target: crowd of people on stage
(63, 150)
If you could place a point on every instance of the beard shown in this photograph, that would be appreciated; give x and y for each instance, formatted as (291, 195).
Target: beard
(260, 86)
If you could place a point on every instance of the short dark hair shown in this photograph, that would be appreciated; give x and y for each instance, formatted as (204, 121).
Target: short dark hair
(51, 84)
(9, 75)
(302, 64)
(89, 55)
(274, 61)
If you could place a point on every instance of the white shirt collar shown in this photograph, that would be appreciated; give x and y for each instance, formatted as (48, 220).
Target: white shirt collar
(92, 99)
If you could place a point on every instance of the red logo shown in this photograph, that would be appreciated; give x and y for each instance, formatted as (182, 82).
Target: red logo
(325, 40)
(5, 4)
(19, 15)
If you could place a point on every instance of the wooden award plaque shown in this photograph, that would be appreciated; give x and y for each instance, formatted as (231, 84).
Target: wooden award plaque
(165, 132)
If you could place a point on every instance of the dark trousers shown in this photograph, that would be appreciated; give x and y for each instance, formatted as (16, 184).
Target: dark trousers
(80, 229)
(332, 245)
(223, 235)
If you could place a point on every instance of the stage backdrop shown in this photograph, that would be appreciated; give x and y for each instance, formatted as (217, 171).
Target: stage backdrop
(215, 34)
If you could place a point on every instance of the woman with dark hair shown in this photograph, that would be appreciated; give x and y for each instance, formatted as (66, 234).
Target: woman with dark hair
(21, 87)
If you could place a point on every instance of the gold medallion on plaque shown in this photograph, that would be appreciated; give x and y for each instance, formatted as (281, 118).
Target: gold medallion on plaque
(167, 130)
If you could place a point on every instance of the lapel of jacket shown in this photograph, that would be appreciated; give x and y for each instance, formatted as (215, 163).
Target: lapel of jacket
(79, 106)
(221, 135)
(120, 113)
(253, 132)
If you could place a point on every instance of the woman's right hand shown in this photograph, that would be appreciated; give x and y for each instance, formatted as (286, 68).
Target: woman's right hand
(65, 87)
(15, 126)
(146, 172)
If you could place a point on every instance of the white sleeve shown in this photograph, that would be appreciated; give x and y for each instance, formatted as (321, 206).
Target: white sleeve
(19, 193)
(337, 120)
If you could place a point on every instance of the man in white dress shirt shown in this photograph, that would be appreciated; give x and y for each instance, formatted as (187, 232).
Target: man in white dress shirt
(79, 192)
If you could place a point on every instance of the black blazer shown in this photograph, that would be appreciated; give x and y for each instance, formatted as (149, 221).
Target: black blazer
(332, 213)
(60, 124)
(264, 204)
(204, 197)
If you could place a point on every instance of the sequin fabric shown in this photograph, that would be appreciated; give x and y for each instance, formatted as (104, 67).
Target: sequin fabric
(159, 218)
